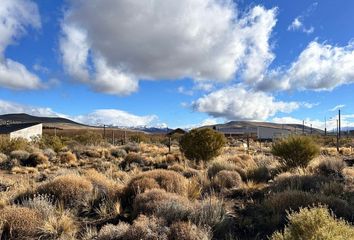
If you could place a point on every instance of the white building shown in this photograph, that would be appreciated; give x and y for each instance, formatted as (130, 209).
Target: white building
(270, 133)
(27, 131)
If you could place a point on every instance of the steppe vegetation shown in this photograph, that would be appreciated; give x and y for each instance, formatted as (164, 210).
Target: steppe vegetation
(81, 187)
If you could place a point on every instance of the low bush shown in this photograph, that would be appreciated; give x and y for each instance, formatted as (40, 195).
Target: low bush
(260, 174)
(105, 187)
(72, 190)
(295, 151)
(314, 223)
(35, 159)
(20, 223)
(118, 153)
(113, 232)
(147, 228)
(8, 145)
(306, 183)
(132, 147)
(228, 179)
(67, 157)
(133, 159)
(89, 138)
(188, 231)
(202, 144)
(331, 167)
(165, 179)
(270, 215)
(219, 165)
(20, 155)
(158, 202)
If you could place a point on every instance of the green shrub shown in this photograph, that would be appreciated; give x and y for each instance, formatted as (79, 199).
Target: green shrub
(52, 142)
(314, 223)
(295, 151)
(202, 144)
(89, 138)
(7, 145)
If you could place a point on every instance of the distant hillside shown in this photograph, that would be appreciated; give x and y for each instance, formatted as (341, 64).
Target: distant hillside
(253, 125)
(25, 118)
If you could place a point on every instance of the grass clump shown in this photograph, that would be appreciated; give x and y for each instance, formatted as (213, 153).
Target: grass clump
(314, 223)
(158, 202)
(188, 231)
(35, 159)
(69, 189)
(67, 157)
(295, 151)
(202, 144)
(228, 179)
(165, 179)
(20, 223)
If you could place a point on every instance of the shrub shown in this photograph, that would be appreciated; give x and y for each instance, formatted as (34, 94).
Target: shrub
(20, 155)
(228, 179)
(89, 138)
(135, 159)
(188, 231)
(331, 167)
(147, 228)
(113, 232)
(260, 174)
(53, 142)
(19, 223)
(131, 147)
(7, 145)
(118, 153)
(158, 202)
(50, 153)
(104, 186)
(69, 189)
(210, 212)
(307, 183)
(61, 226)
(35, 159)
(243, 161)
(202, 144)
(67, 157)
(220, 165)
(270, 215)
(314, 223)
(92, 153)
(295, 151)
(165, 179)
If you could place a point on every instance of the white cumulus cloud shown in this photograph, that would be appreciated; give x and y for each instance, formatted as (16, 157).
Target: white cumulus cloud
(15, 16)
(318, 67)
(163, 39)
(237, 103)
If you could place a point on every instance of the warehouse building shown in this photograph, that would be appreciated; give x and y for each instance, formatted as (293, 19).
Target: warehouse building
(27, 131)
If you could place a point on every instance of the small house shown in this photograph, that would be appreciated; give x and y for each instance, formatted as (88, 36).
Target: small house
(27, 131)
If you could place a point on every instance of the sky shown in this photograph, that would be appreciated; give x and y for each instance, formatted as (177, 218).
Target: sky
(185, 63)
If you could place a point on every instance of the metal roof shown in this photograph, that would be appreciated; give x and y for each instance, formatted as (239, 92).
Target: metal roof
(9, 128)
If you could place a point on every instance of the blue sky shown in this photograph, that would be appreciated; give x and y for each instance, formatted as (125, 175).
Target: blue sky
(178, 63)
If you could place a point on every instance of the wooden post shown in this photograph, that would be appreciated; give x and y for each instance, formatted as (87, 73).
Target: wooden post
(339, 124)
(337, 136)
(169, 144)
(113, 137)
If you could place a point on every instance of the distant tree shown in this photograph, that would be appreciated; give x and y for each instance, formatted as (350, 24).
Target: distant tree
(202, 144)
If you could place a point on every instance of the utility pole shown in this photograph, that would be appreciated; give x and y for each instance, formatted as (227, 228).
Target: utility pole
(339, 124)
(325, 126)
(337, 135)
(113, 136)
(104, 131)
(303, 127)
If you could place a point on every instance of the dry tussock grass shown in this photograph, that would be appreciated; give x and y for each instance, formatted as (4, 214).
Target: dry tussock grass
(20, 222)
(69, 189)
